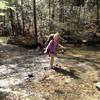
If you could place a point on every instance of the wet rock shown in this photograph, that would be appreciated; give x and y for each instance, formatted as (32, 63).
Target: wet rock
(4, 95)
(67, 80)
(6, 70)
(91, 39)
(59, 92)
(72, 38)
(26, 41)
(51, 77)
(98, 85)
(30, 75)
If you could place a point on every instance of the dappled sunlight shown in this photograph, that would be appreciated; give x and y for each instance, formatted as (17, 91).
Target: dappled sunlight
(3, 40)
(32, 66)
(22, 74)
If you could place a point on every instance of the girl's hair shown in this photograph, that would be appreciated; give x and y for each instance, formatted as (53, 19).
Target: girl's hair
(62, 30)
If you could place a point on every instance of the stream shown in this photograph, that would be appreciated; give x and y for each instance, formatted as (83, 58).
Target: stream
(23, 75)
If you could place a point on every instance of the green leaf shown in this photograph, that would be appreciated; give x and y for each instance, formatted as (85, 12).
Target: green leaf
(2, 5)
(4, 2)
(12, 8)
(2, 14)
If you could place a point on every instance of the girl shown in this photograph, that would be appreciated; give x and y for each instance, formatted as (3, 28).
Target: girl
(52, 47)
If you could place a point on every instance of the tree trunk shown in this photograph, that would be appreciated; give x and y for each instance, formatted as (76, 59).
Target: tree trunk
(52, 16)
(97, 12)
(35, 21)
(23, 24)
(53, 10)
(12, 22)
(4, 20)
(61, 11)
(18, 21)
(49, 16)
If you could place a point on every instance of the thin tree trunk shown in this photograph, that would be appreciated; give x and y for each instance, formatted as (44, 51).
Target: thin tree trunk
(18, 24)
(97, 12)
(12, 22)
(53, 10)
(52, 15)
(23, 24)
(4, 24)
(49, 16)
(35, 21)
(79, 14)
(61, 12)
(4, 20)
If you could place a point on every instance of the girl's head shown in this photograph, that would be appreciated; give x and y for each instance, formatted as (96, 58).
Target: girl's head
(59, 34)
(62, 32)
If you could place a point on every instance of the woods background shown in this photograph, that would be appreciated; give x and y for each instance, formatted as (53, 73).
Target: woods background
(40, 17)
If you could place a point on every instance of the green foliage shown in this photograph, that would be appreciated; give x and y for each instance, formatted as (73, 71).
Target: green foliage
(12, 8)
(5, 5)
(2, 14)
(9, 2)
(79, 2)
(91, 4)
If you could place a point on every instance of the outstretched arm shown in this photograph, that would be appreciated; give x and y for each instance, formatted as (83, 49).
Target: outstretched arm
(61, 46)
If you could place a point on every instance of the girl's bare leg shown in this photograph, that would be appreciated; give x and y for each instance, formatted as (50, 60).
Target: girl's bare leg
(51, 60)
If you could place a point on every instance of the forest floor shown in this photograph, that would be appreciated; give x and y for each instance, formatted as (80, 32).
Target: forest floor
(23, 75)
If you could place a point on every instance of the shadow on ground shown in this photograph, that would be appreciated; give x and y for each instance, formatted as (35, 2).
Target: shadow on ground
(70, 73)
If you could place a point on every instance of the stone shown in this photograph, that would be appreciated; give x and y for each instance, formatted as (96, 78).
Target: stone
(98, 85)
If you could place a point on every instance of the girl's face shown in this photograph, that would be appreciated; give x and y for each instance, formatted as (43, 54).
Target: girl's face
(57, 37)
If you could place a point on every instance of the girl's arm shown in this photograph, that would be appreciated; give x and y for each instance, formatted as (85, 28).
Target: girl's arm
(61, 46)
(47, 47)
(49, 44)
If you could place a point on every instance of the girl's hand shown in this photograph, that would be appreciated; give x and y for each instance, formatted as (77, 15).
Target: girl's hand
(64, 48)
(45, 51)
